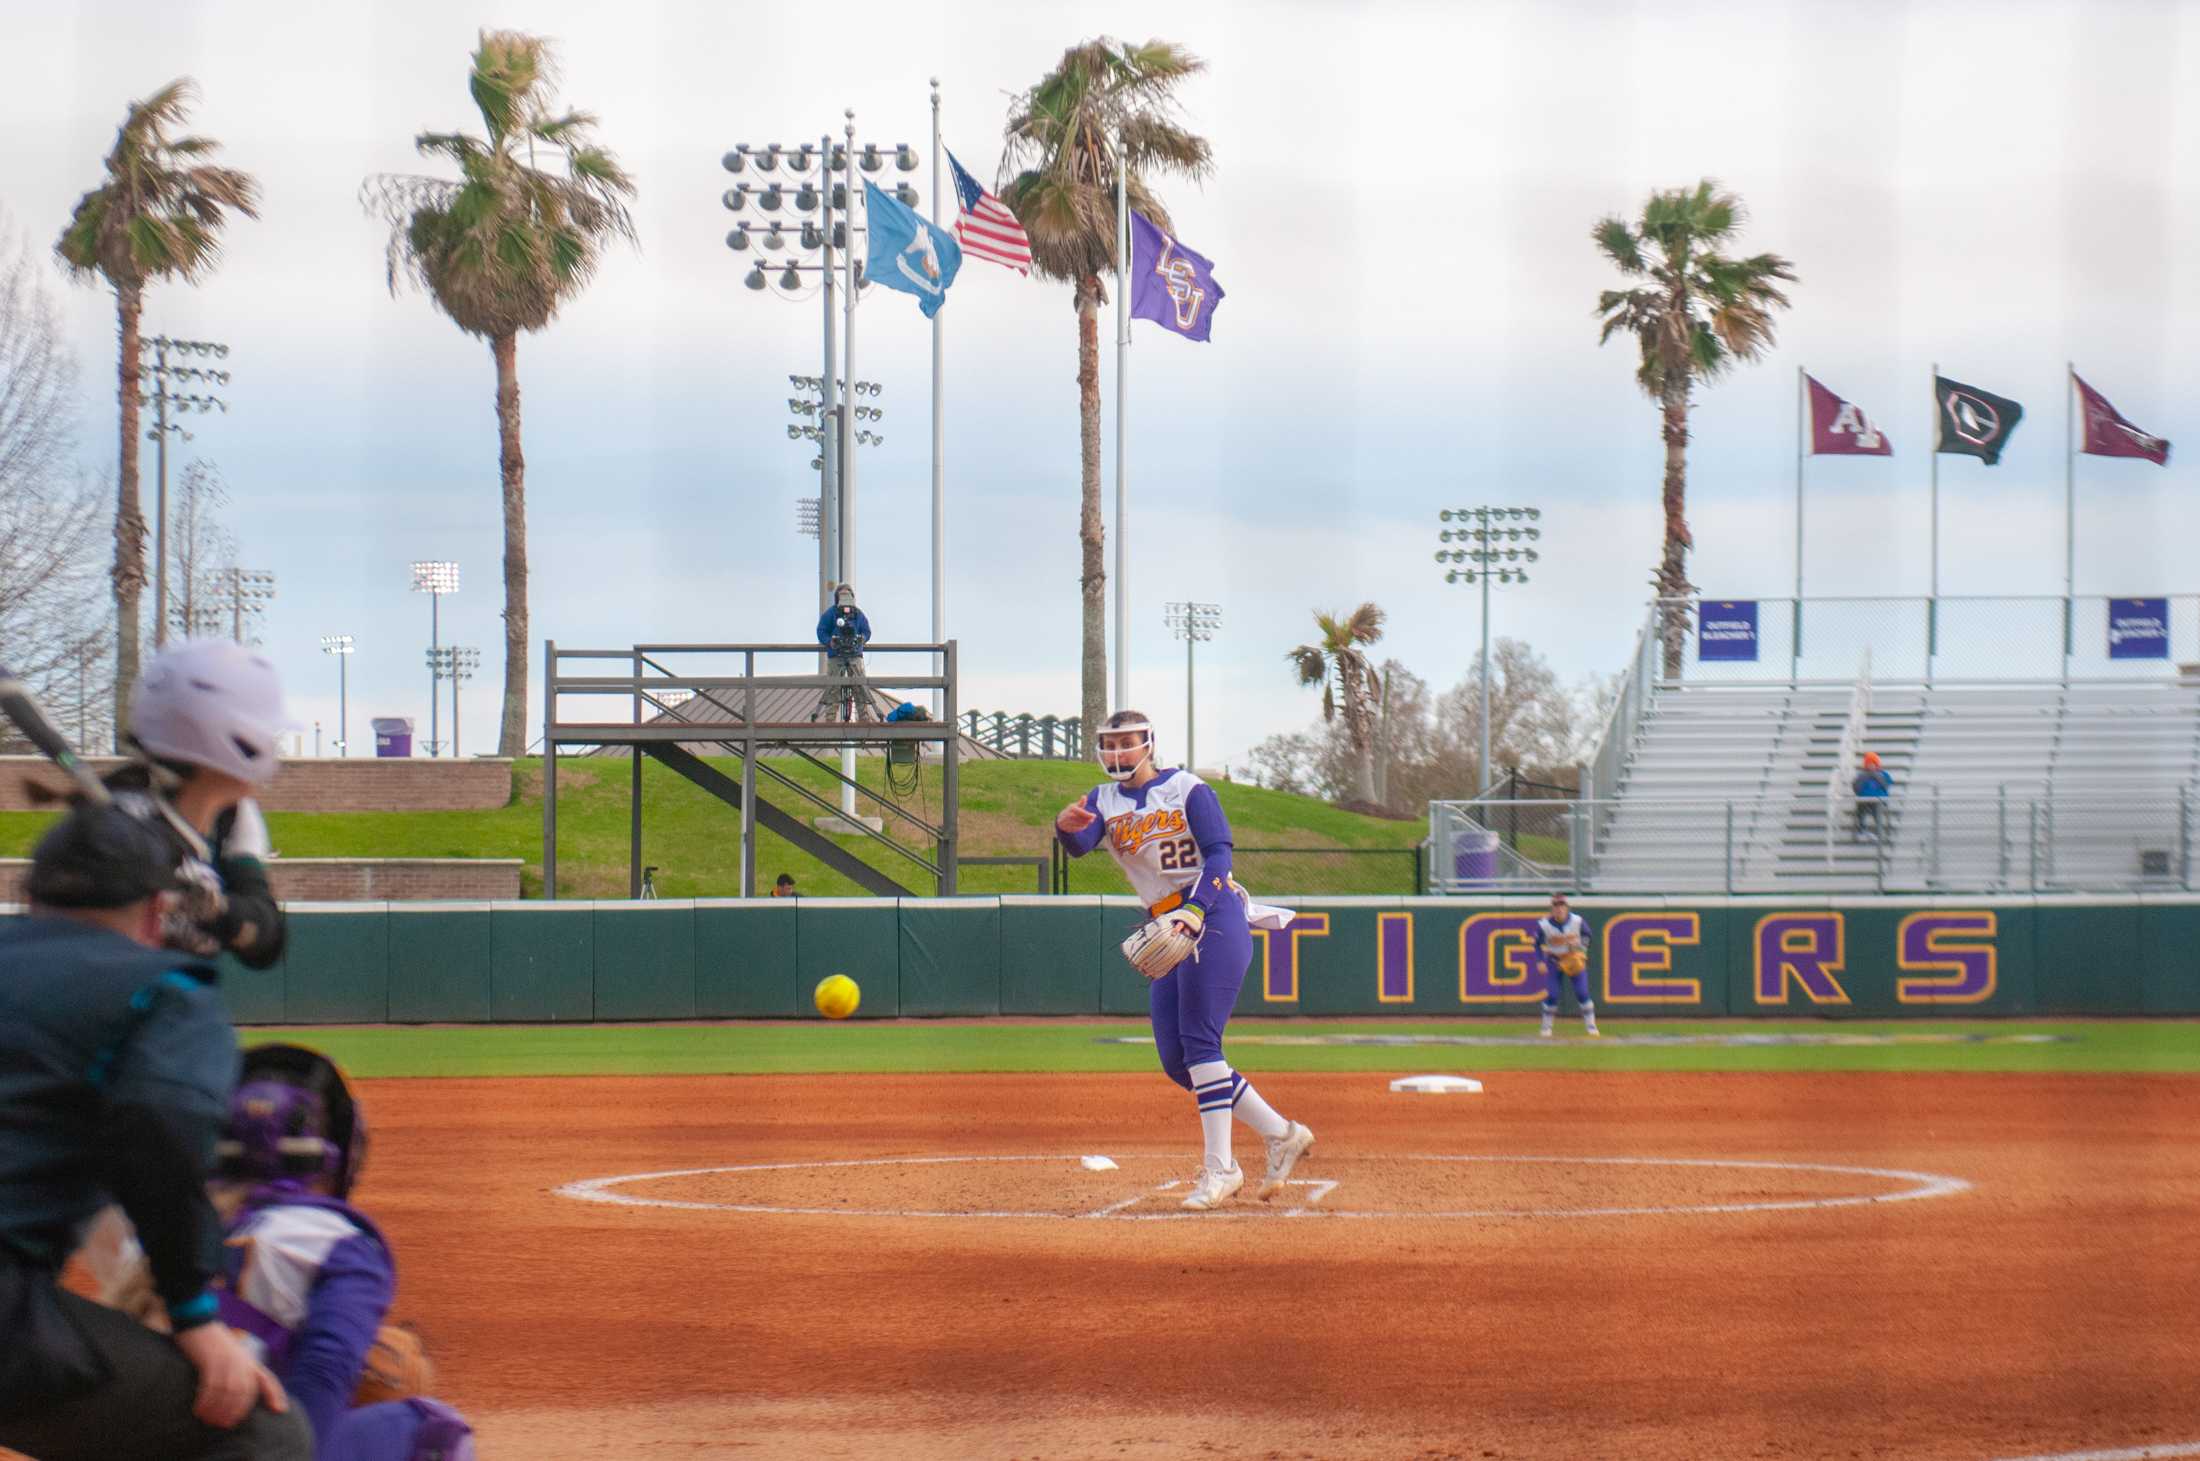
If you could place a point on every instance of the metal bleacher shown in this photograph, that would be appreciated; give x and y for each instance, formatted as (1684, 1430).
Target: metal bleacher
(2088, 781)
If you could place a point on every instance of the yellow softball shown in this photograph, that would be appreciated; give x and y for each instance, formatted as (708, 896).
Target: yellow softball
(837, 996)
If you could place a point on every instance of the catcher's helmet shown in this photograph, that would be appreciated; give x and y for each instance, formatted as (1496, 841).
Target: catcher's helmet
(292, 1117)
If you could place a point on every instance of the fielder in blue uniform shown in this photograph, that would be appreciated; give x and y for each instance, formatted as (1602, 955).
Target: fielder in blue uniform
(1166, 831)
(116, 1064)
(1562, 943)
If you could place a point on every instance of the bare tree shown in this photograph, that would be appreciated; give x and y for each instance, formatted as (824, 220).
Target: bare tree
(53, 615)
(1431, 743)
(204, 553)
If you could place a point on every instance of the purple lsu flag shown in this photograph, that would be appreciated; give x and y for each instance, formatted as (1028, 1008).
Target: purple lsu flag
(1170, 284)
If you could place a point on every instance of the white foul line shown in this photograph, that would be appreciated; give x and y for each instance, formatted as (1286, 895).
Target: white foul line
(1925, 1185)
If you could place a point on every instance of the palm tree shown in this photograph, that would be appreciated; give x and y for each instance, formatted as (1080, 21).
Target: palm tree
(1697, 314)
(500, 249)
(1058, 177)
(158, 214)
(1338, 663)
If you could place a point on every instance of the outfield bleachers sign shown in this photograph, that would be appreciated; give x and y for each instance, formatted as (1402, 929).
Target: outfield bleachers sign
(2138, 628)
(1727, 630)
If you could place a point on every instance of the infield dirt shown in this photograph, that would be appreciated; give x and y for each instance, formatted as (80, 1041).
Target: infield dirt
(2049, 1306)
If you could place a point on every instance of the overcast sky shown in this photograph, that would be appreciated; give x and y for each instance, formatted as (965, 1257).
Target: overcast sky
(1400, 214)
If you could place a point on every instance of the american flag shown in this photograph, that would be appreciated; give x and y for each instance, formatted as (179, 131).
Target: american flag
(985, 227)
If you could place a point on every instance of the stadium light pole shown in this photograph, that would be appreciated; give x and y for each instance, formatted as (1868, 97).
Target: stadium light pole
(248, 590)
(1192, 623)
(1481, 527)
(160, 378)
(463, 662)
(817, 216)
(435, 578)
(815, 196)
(339, 645)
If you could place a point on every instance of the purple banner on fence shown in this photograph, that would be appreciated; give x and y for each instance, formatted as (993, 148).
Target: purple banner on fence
(1727, 629)
(2138, 628)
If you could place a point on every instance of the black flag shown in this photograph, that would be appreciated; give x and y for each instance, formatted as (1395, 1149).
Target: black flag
(1972, 422)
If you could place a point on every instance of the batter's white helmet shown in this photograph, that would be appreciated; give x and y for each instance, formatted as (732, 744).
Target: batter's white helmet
(207, 702)
(1121, 761)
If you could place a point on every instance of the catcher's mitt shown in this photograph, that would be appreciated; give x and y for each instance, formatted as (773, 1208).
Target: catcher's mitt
(1166, 942)
(1573, 963)
(398, 1367)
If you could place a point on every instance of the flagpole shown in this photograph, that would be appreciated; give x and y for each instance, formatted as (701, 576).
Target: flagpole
(1932, 602)
(1795, 627)
(939, 438)
(848, 362)
(1122, 411)
(848, 439)
(2070, 515)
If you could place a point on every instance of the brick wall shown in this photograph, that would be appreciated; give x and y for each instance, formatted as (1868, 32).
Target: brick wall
(331, 784)
(358, 879)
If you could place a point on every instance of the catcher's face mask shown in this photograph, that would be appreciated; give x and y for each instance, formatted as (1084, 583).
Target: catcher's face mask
(1123, 749)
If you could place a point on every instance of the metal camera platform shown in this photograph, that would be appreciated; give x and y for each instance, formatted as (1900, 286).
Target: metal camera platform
(665, 698)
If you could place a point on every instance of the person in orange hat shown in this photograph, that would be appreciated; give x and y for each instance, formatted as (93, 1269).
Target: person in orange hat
(1872, 786)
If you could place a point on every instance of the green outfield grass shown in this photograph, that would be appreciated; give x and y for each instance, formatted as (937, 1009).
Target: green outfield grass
(1008, 809)
(907, 1046)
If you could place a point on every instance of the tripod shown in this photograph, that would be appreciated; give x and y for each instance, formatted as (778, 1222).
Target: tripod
(848, 698)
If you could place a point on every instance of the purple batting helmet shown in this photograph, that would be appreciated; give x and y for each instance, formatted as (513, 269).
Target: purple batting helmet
(292, 1117)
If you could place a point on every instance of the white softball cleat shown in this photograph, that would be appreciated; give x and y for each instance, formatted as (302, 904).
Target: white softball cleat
(1214, 1188)
(1283, 1154)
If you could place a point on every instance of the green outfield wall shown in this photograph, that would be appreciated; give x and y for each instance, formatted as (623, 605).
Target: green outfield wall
(759, 958)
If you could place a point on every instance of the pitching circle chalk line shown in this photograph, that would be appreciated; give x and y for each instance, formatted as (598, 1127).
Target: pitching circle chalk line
(1923, 1186)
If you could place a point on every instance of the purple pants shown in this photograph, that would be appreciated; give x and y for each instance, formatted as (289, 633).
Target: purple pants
(1192, 1002)
(1558, 982)
(401, 1430)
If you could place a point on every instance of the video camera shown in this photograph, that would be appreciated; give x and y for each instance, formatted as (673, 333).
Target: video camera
(845, 642)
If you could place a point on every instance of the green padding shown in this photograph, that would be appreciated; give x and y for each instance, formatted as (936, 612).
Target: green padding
(745, 960)
(1051, 956)
(2169, 942)
(950, 956)
(2088, 960)
(439, 964)
(336, 967)
(542, 962)
(254, 996)
(645, 962)
(1123, 990)
(856, 937)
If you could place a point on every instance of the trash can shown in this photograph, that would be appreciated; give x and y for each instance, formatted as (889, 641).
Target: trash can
(393, 735)
(1474, 855)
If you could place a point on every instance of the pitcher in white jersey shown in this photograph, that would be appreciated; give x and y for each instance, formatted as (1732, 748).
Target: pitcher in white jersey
(1166, 831)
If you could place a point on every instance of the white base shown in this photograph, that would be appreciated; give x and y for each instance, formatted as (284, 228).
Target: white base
(846, 826)
(1437, 1085)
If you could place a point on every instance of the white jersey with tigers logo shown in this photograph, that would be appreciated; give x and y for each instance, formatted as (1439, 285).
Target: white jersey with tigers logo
(1150, 837)
(1556, 940)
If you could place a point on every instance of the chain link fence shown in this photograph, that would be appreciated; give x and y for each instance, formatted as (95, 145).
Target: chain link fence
(2015, 637)
(1919, 843)
(1276, 872)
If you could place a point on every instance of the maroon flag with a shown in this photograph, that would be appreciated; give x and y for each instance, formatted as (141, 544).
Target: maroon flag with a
(2108, 434)
(1838, 428)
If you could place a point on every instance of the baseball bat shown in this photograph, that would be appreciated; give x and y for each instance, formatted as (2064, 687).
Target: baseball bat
(17, 703)
(29, 717)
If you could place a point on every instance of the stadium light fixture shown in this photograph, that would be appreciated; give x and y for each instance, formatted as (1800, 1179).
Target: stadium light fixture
(340, 646)
(434, 578)
(1194, 623)
(1490, 563)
